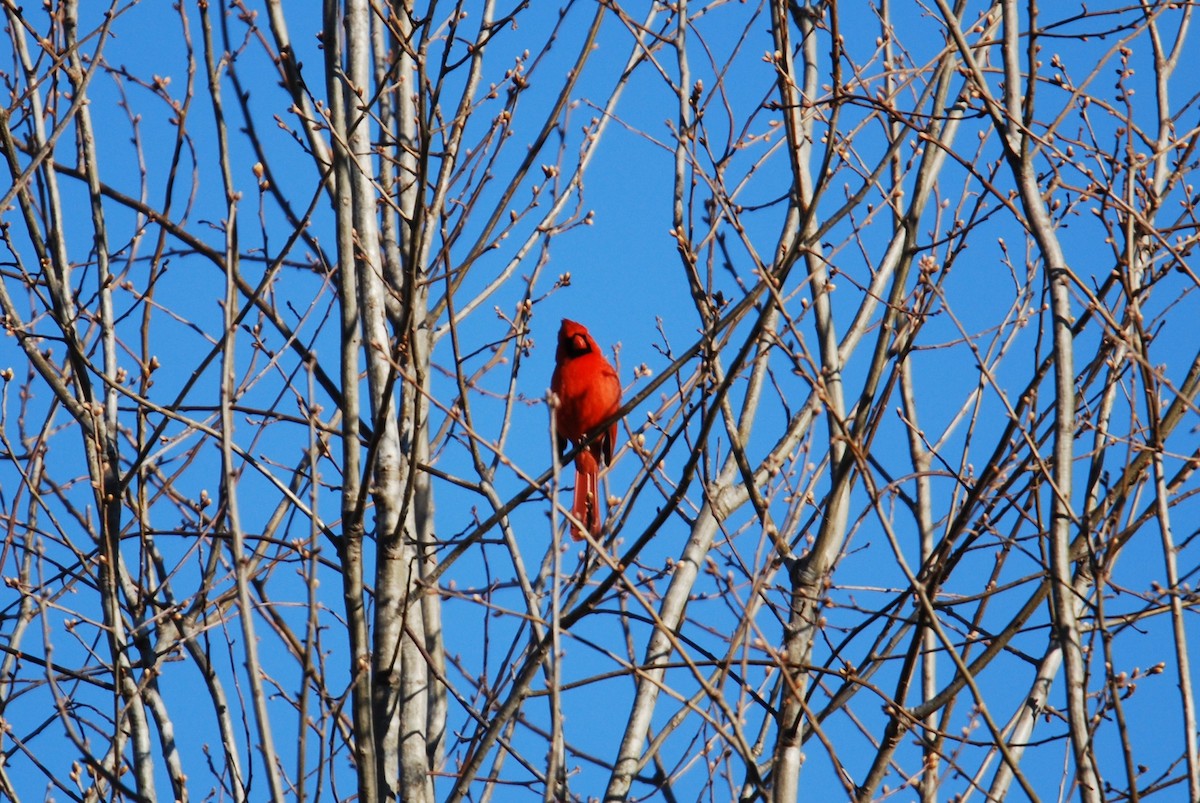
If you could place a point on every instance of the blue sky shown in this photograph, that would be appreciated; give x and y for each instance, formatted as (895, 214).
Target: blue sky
(627, 285)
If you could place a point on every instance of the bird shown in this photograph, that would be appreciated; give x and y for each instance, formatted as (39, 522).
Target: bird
(588, 394)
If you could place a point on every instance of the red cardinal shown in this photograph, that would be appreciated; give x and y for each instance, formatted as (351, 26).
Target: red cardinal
(589, 393)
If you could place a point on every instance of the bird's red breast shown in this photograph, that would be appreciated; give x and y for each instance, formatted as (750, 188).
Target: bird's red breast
(587, 387)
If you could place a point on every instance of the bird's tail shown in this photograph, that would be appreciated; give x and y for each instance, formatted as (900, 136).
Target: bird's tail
(586, 507)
